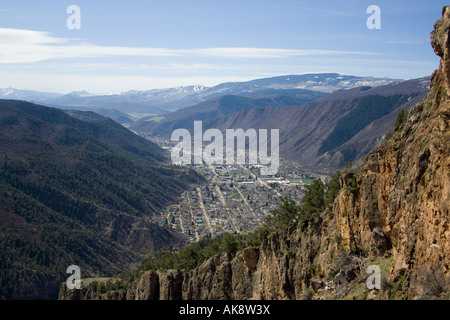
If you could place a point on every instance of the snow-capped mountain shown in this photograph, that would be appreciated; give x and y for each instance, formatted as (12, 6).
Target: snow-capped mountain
(27, 95)
(165, 97)
(181, 97)
(323, 82)
(160, 101)
(83, 94)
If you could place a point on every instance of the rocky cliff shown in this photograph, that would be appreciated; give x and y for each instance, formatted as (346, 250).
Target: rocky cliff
(392, 212)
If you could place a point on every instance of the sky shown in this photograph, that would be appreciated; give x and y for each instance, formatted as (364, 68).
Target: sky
(118, 46)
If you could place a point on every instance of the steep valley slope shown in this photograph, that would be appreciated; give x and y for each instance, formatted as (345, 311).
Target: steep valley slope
(323, 136)
(320, 132)
(77, 188)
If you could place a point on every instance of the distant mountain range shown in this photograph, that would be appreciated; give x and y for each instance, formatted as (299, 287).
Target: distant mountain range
(162, 101)
(320, 131)
(325, 120)
(27, 95)
(324, 135)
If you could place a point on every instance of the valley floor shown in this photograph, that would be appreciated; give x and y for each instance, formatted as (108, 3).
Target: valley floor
(235, 199)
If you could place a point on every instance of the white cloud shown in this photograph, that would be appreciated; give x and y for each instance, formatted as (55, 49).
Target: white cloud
(29, 46)
(36, 60)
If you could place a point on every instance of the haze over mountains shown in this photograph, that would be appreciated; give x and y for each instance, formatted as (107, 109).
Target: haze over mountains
(161, 101)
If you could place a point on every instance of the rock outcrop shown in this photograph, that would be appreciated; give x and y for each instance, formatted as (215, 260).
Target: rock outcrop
(393, 211)
(401, 202)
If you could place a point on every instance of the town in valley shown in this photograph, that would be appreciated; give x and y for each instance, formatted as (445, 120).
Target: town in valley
(235, 199)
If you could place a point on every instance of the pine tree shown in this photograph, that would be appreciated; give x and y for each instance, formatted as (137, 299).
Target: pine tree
(313, 202)
(332, 188)
(401, 119)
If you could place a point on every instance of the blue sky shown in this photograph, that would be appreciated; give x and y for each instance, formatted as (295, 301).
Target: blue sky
(141, 45)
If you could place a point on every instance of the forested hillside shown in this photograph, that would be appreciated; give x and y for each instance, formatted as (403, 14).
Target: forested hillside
(365, 111)
(222, 106)
(77, 188)
(323, 136)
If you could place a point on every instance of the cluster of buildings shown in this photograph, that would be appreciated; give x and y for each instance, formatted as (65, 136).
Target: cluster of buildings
(235, 200)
